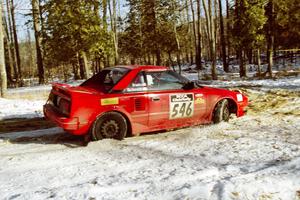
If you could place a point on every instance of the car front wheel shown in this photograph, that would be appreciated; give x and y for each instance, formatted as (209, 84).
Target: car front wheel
(221, 111)
(109, 125)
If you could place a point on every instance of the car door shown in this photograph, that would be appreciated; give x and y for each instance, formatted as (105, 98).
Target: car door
(137, 98)
(170, 106)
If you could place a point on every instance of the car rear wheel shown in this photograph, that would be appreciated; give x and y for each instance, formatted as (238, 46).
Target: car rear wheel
(109, 125)
(221, 111)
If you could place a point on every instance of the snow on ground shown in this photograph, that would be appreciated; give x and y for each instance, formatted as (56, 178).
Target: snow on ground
(253, 157)
(21, 108)
(282, 83)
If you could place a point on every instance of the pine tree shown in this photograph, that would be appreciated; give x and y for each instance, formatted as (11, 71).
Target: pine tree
(76, 36)
(247, 35)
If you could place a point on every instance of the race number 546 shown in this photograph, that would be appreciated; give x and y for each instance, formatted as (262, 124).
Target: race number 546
(181, 106)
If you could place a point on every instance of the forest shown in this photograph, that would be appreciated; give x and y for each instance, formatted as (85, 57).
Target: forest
(239, 52)
(73, 39)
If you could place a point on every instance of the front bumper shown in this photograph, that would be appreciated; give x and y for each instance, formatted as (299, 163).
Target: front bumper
(242, 107)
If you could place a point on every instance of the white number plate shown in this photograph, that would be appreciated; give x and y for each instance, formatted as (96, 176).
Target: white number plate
(181, 106)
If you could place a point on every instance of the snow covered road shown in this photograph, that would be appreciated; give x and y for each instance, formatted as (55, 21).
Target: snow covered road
(253, 157)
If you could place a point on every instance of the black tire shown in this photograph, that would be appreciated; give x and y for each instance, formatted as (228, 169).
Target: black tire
(221, 112)
(109, 125)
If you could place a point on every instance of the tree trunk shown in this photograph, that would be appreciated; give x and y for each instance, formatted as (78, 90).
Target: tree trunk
(15, 35)
(86, 65)
(81, 66)
(65, 72)
(189, 46)
(178, 54)
(38, 39)
(210, 25)
(105, 26)
(113, 24)
(31, 54)
(258, 62)
(228, 31)
(8, 61)
(223, 41)
(242, 64)
(199, 43)
(12, 46)
(3, 77)
(115, 30)
(75, 71)
(104, 17)
(213, 40)
(250, 56)
(270, 36)
(195, 34)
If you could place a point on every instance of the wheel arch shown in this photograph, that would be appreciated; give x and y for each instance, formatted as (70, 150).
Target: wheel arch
(129, 125)
(233, 107)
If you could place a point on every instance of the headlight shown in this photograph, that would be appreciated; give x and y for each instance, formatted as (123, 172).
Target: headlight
(239, 97)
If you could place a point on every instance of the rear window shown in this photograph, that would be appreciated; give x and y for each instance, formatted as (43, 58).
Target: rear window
(106, 79)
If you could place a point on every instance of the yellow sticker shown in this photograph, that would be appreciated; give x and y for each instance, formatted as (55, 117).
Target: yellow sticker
(109, 101)
(199, 101)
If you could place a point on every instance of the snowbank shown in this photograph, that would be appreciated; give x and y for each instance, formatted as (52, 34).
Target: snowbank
(12, 108)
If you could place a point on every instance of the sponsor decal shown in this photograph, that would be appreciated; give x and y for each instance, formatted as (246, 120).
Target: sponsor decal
(199, 100)
(181, 106)
(109, 101)
(198, 95)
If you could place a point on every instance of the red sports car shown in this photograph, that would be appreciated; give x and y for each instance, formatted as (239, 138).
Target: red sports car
(129, 100)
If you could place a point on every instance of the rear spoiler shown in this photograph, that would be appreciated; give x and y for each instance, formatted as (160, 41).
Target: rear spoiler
(62, 90)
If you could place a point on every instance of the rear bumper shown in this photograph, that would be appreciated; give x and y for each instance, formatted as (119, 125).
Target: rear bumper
(71, 125)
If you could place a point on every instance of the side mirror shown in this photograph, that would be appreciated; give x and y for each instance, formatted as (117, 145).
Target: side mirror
(188, 85)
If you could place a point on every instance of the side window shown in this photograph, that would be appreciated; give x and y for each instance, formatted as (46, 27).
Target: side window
(166, 80)
(113, 77)
(138, 84)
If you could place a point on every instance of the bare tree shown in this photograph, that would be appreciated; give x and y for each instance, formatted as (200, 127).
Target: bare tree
(270, 36)
(189, 35)
(16, 43)
(195, 34)
(113, 23)
(7, 49)
(38, 39)
(223, 41)
(31, 54)
(2, 58)
(210, 26)
(11, 42)
(86, 65)
(105, 26)
(199, 36)
(227, 33)
(258, 62)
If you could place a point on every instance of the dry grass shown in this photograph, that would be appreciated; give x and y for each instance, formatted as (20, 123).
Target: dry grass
(29, 95)
(272, 100)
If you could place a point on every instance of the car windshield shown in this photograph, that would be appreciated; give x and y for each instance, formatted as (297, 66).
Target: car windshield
(106, 79)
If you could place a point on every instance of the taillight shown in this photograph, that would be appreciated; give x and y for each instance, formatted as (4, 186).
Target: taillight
(64, 106)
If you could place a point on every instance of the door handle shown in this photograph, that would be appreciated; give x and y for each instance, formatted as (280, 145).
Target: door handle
(155, 98)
